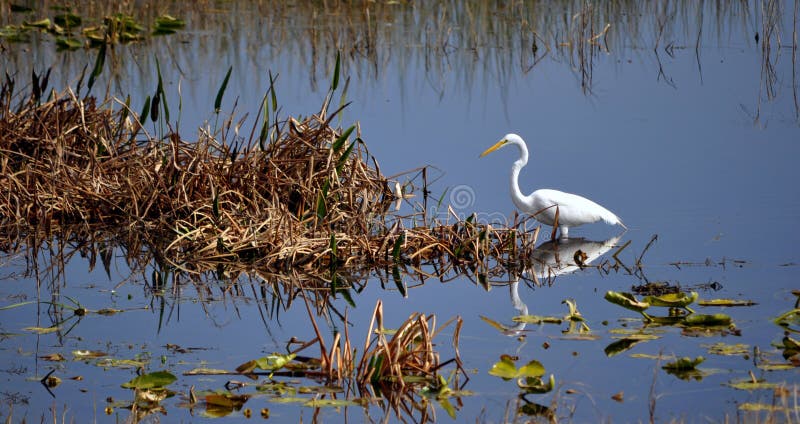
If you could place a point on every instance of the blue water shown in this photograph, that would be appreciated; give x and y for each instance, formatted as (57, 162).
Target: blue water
(679, 155)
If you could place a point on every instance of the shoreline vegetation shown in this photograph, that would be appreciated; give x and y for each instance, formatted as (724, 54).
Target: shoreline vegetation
(296, 194)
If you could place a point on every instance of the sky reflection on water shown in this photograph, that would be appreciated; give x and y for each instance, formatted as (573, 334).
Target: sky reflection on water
(681, 142)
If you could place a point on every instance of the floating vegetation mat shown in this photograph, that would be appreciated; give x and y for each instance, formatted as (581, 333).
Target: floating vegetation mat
(298, 193)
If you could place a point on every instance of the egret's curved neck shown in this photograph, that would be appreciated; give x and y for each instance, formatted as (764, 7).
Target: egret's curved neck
(516, 193)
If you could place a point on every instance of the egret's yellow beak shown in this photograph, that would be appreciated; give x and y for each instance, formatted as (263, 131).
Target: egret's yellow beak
(497, 145)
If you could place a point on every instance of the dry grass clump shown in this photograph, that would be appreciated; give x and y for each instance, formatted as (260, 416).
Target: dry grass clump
(70, 161)
(308, 195)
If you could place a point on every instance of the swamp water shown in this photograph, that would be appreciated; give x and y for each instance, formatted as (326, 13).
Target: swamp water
(681, 117)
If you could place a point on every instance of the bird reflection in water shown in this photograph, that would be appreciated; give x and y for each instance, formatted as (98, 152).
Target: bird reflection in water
(552, 259)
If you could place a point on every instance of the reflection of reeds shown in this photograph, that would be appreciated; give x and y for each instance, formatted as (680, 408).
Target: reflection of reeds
(447, 40)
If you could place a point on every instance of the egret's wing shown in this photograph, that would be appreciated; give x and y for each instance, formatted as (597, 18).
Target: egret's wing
(573, 210)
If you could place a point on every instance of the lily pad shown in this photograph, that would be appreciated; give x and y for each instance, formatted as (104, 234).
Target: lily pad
(536, 384)
(672, 300)
(752, 385)
(537, 319)
(626, 300)
(725, 302)
(272, 362)
(683, 364)
(701, 320)
(507, 370)
(152, 380)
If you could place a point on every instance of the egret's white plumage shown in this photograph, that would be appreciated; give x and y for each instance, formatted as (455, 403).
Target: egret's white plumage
(573, 210)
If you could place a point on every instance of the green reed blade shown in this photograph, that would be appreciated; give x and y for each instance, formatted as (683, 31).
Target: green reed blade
(221, 92)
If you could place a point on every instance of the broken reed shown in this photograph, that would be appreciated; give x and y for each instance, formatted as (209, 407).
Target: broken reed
(310, 196)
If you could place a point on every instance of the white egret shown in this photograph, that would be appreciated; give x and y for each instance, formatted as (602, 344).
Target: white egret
(544, 204)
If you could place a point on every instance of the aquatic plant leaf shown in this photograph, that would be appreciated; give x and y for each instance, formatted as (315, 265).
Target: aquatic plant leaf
(772, 366)
(761, 407)
(88, 354)
(319, 403)
(120, 363)
(621, 345)
(288, 400)
(335, 81)
(166, 24)
(53, 357)
(626, 300)
(537, 319)
(17, 305)
(99, 62)
(507, 370)
(65, 43)
(68, 20)
(683, 364)
(646, 356)
(493, 323)
(671, 300)
(752, 385)
(40, 24)
(536, 384)
(272, 362)
(791, 318)
(228, 400)
(151, 380)
(206, 371)
(339, 142)
(725, 302)
(221, 91)
(43, 330)
(701, 320)
(725, 349)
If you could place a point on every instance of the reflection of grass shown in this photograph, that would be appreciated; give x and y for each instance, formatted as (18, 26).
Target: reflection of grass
(443, 38)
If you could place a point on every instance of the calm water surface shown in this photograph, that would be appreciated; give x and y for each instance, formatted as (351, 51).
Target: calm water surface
(678, 131)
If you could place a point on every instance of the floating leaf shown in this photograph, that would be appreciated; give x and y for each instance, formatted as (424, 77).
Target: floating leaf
(206, 371)
(626, 300)
(725, 302)
(54, 357)
(40, 24)
(120, 363)
(42, 330)
(152, 380)
(228, 400)
(68, 20)
(268, 363)
(671, 300)
(700, 320)
(64, 43)
(684, 364)
(752, 385)
(507, 370)
(620, 346)
(317, 403)
(537, 319)
(166, 24)
(725, 349)
(85, 354)
(759, 407)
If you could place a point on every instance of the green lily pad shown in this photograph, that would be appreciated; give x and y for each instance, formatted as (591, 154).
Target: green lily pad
(626, 300)
(720, 348)
(684, 364)
(507, 370)
(152, 380)
(725, 302)
(701, 320)
(752, 385)
(672, 300)
(537, 319)
(272, 362)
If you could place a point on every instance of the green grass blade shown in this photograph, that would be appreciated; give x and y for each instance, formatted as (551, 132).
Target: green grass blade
(98, 67)
(221, 92)
(335, 82)
(161, 93)
(337, 145)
